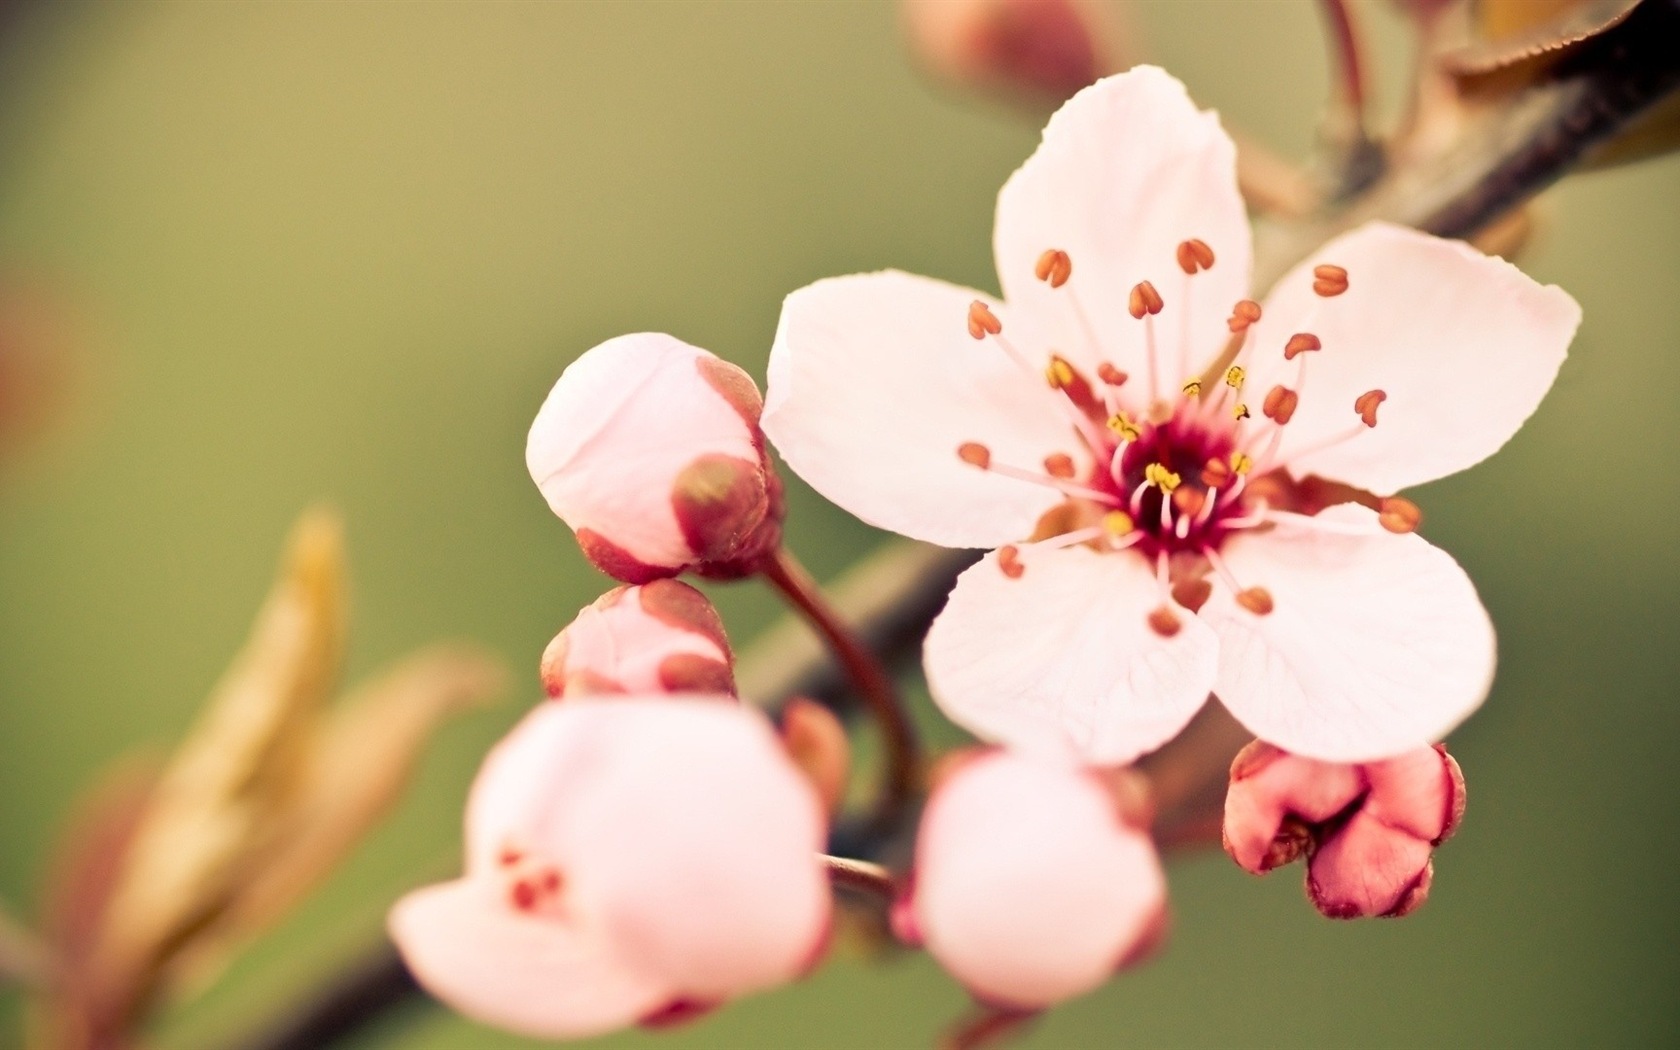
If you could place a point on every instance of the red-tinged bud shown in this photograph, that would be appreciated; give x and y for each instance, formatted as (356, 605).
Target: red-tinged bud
(1040, 49)
(650, 450)
(661, 637)
(816, 742)
(1368, 830)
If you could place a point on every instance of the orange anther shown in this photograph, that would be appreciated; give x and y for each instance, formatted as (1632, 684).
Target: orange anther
(1329, 280)
(1144, 300)
(1245, 313)
(1366, 405)
(975, 454)
(1194, 255)
(1400, 515)
(981, 321)
(1300, 343)
(523, 894)
(1009, 560)
(1257, 600)
(1111, 375)
(1216, 473)
(1059, 465)
(1054, 267)
(551, 882)
(1192, 592)
(1187, 500)
(1164, 622)
(1280, 404)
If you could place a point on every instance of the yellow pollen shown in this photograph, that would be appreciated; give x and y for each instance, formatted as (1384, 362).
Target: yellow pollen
(1124, 427)
(1162, 478)
(1234, 377)
(1240, 412)
(1241, 462)
(1118, 523)
(1059, 373)
(1193, 388)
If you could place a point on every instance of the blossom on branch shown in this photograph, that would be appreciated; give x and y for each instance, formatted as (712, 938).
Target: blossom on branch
(1145, 448)
(1368, 831)
(1032, 883)
(650, 450)
(628, 860)
(661, 637)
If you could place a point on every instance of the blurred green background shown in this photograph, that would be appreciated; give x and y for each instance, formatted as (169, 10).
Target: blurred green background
(340, 253)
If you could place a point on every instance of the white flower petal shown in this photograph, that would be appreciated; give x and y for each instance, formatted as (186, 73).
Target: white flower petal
(1129, 169)
(1464, 345)
(1063, 657)
(874, 383)
(1376, 643)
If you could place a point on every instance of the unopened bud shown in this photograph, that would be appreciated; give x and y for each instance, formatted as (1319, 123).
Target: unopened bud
(1040, 49)
(816, 742)
(661, 637)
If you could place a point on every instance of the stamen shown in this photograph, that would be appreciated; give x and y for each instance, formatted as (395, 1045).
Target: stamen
(981, 321)
(1117, 523)
(1329, 281)
(1144, 304)
(1366, 406)
(1256, 600)
(1124, 427)
(1244, 314)
(1337, 528)
(1194, 255)
(1009, 561)
(1216, 473)
(1158, 475)
(1399, 515)
(1192, 592)
(1330, 442)
(1241, 462)
(971, 452)
(1163, 621)
(1054, 267)
(1281, 403)
(1300, 343)
(1059, 465)
(1193, 388)
(1145, 300)
(1240, 412)
(975, 454)
(1062, 376)
(523, 894)
(1188, 500)
(1111, 375)
(1234, 377)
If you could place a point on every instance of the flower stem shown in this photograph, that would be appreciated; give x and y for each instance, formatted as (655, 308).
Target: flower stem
(987, 1026)
(868, 676)
(862, 876)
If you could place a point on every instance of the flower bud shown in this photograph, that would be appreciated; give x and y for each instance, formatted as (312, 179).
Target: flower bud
(1043, 49)
(650, 450)
(816, 741)
(1029, 886)
(1368, 830)
(633, 860)
(661, 637)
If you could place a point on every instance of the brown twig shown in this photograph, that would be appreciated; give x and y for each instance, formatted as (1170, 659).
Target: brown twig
(861, 876)
(987, 1026)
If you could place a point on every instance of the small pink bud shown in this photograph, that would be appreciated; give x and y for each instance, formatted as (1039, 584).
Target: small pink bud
(1368, 830)
(1044, 49)
(661, 637)
(630, 861)
(650, 450)
(1030, 887)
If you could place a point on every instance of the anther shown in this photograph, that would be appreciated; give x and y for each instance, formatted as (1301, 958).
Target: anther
(1216, 473)
(1193, 388)
(1366, 405)
(1194, 255)
(975, 454)
(981, 321)
(1329, 281)
(1124, 427)
(1145, 300)
(523, 894)
(1192, 592)
(1245, 313)
(1400, 515)
(1188, 501)
(1162, 478)
(1241, 462)
(1164, 622)
(1300, 344)
(1058, 373)
(1280, 404)
(1240, 412)
(1256, 600)
(1054, 267)
(1059, 465)
(551, 882)
(1009, 560)
(1234, 377)
(1118, 523)
(509, 857)
(1111, 375)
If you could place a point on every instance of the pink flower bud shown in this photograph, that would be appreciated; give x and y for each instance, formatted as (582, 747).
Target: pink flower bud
(627, 860)
(661, 637)
(1029, 887)
(1045, 49)
(650, 450)
(1368, 830)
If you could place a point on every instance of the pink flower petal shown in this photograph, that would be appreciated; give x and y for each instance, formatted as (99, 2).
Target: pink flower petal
(1376, 643)
(1417, 792)
(1464, 345)
(661, 637)
(1128, 170)
(539, 978)
(1064, 658)
(617, 431)
(1028, 886)
(874, 384)
(1256, 805)
(1367, 869)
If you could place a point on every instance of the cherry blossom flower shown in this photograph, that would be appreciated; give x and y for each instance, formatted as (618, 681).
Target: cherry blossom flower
(650, 450)
(1145, 448)
(1368, 830)
(1030, 885)
(627, 860)
(661, 637)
